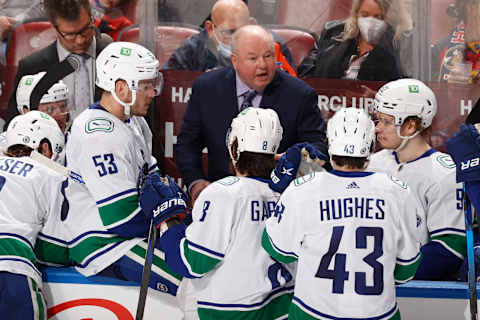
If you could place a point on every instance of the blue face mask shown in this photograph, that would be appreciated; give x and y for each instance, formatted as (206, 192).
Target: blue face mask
(225, 50)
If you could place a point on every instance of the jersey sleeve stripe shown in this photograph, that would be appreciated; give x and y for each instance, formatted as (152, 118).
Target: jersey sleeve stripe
(5, 235)
(204, 250)
(275, 252)
(408, 261)
(122, 195)
(447, 231)
(198, 262)
(22, 260)
(120, 211)
(89, 249)
(404, 272)
(12, 246)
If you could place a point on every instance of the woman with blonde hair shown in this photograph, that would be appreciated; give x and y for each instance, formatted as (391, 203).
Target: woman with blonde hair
(366, 46)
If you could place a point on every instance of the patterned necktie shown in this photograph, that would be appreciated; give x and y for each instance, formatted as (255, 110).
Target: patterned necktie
(82, 86)
(247, 99)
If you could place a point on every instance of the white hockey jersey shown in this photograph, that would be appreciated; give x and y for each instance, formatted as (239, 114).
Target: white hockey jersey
(432, 178)
(111, 156)
(353, 234)
(29, 197)
(223, 246)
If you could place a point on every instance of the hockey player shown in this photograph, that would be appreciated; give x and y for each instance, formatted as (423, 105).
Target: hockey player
(53, 102)
(29, 197)
(221, 247)
(110, 146)
(352, 231)
(405, 109)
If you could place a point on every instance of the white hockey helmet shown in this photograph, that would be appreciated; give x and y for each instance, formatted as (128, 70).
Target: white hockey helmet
(31, 128)
(407, 97)
(129, 62)
(57, 92)
(350, 133)
(256, 130)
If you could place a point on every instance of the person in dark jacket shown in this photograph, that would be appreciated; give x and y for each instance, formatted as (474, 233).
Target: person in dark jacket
(367, 46)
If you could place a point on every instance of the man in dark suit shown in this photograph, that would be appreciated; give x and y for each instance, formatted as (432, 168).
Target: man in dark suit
(75, 40)
(219, 95)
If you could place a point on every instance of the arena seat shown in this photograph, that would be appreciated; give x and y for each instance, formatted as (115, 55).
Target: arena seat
(300, 41)
(169, 37)
(23, 39)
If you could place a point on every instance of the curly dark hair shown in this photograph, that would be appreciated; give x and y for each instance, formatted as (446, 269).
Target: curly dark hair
(66, 9)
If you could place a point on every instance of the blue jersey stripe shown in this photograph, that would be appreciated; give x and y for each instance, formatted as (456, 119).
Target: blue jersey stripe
(383, 316)
(409, 260)
(132, 190)
(218, 254)
(23, 261)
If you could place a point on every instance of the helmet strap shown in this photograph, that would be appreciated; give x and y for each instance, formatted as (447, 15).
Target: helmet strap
(126, 106)
(404, 139)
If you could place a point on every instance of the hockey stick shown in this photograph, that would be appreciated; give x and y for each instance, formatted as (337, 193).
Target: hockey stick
(147, 267)
(472, 279)
(35, 155)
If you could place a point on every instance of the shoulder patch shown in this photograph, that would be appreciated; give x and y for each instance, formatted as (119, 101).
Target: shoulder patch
(304, 179)
(99, 124)
(227, 181)
(399, 182)
(446, 161)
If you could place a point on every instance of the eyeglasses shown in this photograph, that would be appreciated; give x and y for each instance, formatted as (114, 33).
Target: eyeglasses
(385, 122)
(84, 32)
(227, 33)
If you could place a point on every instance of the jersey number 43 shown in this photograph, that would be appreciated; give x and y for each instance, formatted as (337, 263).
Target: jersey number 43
(339, 274)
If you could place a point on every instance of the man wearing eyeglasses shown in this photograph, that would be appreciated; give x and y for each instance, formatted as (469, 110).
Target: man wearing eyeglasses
(211, 48)
(75, 40)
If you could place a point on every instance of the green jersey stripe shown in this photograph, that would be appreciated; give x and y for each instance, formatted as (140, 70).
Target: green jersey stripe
(16, 247)
(119, 210)
(90, 245)
(197, 263)
(454, 243)
(270, 248)
(157, 261)
(405, 272)
(49, 252)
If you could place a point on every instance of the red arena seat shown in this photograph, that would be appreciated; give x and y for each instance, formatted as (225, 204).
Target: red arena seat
(169, 37)
(299, 41)
(23, 39)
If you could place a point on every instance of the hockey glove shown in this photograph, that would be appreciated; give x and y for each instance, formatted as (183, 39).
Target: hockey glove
(162, 199)
(464, 147)
(289, 164)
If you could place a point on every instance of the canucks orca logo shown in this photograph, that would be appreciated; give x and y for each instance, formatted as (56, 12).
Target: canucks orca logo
(99, 124)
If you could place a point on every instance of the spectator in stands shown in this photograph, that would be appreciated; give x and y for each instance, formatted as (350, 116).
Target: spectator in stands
(217, 96)
(456, 58)
(405, 110)
(109, 16)
(211, 48)
(14, 11)
(75, 39)
(367, 46)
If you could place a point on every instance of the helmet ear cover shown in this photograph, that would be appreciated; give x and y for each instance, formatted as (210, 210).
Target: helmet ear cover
(255, 130)
(350, 133)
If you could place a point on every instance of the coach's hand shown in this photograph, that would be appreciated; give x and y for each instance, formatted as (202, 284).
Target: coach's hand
(289, 163)
(162, 199)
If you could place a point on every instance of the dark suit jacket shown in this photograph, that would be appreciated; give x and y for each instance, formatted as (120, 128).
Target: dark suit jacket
(40, 61)
(212, 106)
